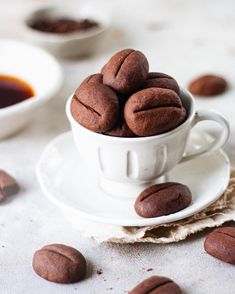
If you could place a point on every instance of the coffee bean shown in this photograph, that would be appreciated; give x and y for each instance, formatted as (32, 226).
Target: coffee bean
(126, 71)
(8, 185)
(208, 85)
(59, 263)
(95, 78)
(221, 244)
(95, 106)
(156, 285)
(162, 199)
(161, 80)
(154, 111)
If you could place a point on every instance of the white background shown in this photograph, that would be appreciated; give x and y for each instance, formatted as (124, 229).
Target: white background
(180, 37)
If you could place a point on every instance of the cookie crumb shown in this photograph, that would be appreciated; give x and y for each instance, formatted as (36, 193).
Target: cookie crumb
(99, 271)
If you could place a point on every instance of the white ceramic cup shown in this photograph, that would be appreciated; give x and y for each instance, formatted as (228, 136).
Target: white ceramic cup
(125, 166)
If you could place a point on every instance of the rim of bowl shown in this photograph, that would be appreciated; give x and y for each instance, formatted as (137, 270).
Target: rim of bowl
(54, 37)
(35, 100)
(104, 137)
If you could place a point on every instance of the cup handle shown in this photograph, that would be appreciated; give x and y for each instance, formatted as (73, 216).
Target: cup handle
(203, 115)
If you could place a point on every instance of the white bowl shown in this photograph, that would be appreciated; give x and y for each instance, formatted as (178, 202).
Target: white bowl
(70, 44)
(34, 66)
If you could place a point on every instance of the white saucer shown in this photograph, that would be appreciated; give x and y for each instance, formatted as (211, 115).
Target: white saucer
(66, 182)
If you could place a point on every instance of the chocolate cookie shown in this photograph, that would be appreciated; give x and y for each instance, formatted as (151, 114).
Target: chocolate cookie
(208, 85)
(120, 130)
(126, 71)
(8, 185)
(95, 106)
(221, 244)
(162, 199)
(59, 263)
(156, 285)
(154, 111)
(95, 78)
(161, 80)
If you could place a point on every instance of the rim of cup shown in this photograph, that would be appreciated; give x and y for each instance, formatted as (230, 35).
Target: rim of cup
(100, 136)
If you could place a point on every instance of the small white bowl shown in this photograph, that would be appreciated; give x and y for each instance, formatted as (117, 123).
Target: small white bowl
(39, 69)
(70, 44)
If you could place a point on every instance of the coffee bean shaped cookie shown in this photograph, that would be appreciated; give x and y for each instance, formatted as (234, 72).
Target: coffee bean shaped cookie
(221, 244)
(95, 106)
(120, 130)
(95, 78)
(59, 263)
(156, 285)
(161, 80)
(162, 199)
(208, 85)
(8, 185)
(154, 111)
(126, 71)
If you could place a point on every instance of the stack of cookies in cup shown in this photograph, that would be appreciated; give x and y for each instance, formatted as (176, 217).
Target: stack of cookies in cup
(126, 100)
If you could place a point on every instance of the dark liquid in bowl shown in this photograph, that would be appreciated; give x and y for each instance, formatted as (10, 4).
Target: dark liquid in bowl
(13, 90)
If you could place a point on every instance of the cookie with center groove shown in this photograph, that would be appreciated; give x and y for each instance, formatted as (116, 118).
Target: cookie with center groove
(156, 285)
(163, 199)
(126, 71)
(154, 111)
(161, 80)
(221, 244)
(59, 263)
(95, 106)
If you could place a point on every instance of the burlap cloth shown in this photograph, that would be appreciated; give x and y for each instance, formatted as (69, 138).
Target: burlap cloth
(221, 211)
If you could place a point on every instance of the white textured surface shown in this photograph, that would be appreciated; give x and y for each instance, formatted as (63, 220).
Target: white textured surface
(192, 37)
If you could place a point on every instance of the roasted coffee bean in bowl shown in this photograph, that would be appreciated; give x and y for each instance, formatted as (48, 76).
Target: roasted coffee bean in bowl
(221, 244)
(59, 263)
(156, 285)
(162, 199)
